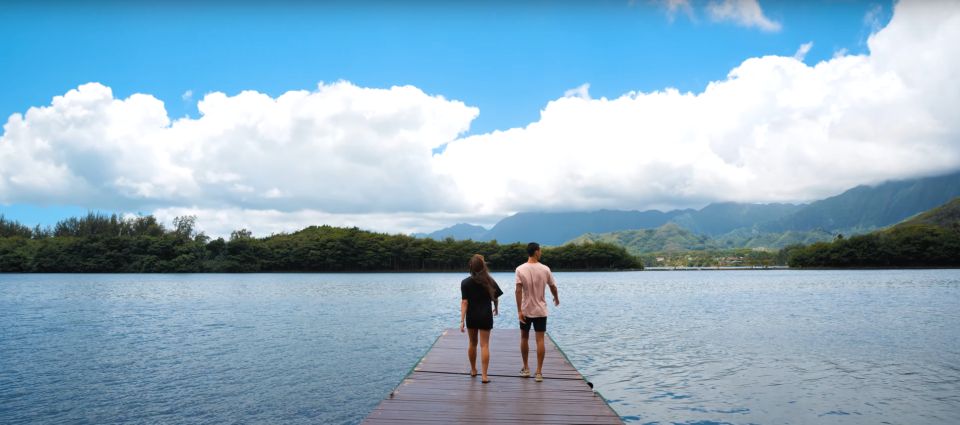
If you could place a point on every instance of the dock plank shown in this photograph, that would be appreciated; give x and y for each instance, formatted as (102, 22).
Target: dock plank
(440, 389)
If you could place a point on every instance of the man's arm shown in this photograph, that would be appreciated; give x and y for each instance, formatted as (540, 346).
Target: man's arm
(552, 283)
(519, 294)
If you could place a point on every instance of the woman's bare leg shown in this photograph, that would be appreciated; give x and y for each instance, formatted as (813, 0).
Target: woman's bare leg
(485, 350)
(472, 351)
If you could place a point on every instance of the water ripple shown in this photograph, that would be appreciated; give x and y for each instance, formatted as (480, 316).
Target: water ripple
(780, 347)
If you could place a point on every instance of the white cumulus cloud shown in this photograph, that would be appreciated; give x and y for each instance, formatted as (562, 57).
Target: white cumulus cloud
(802, 51)
(747, 13)
(775, 129)
(674, 6)
(582, 91)
(341, 148)
(263, 222)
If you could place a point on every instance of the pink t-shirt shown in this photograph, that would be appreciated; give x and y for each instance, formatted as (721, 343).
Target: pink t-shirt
(534, 278)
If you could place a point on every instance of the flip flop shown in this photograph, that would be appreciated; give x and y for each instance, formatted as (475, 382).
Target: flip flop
(485, 382)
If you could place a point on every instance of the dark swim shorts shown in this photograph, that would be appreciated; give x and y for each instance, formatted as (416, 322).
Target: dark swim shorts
(539, 324)
(480, 321)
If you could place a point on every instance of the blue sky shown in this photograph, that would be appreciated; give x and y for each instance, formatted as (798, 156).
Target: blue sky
(508, 59)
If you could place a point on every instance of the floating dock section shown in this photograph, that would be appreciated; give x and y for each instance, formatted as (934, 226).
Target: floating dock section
(439, 389)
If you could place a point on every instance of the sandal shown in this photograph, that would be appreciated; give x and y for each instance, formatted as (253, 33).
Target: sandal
(485, 382)
(525, 373)
(539, 378)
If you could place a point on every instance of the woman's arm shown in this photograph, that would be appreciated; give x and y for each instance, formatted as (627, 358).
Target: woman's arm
(463, 313)
(496, 306)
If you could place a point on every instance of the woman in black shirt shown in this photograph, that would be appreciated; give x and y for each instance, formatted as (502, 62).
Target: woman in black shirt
(476, 294)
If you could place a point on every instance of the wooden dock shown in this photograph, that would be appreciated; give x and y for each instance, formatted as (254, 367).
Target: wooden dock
(439, 389)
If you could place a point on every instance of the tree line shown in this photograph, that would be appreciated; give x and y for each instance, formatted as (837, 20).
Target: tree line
(735, 257)
(914, 245)
(141, 244)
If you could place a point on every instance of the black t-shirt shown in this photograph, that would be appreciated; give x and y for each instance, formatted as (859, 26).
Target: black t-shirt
(478, 299)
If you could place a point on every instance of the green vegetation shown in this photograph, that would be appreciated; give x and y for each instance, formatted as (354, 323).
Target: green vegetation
(750, 238)
(946, 216)
(669, 237)
(673, 246)
(930, 239)
(102, 243)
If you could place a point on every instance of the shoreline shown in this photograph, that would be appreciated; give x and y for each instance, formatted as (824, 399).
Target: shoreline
(705, 268)
(651, 269)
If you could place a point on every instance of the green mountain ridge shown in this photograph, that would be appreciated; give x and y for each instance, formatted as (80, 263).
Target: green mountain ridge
(724, 217)
(672, 237)
(867, 208)
(668, 237)
(858, 210)
(755, 239)
(946, 216)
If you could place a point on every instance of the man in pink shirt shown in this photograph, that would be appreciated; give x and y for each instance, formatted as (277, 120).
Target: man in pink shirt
(532, 279)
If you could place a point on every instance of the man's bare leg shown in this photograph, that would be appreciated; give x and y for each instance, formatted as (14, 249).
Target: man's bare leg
(541, 351)
(524, 347)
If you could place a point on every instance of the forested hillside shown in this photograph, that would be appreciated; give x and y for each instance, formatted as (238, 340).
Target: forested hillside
(930, 239)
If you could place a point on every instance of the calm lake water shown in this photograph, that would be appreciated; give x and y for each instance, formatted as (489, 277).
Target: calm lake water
(698, 347)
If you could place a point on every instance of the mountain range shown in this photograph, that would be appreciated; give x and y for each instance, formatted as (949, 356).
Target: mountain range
(866, 208)
(672, 238)
(857, 210)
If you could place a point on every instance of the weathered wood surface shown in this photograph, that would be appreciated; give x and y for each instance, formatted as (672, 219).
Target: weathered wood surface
(440, 389)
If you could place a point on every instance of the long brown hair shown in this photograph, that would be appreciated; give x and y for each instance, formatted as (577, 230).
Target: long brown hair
(481, 275)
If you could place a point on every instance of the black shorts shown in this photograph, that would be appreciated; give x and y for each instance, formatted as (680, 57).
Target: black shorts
(480, 321)
(539, 324)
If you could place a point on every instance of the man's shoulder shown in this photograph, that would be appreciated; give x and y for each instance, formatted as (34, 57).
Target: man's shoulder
(536, 267)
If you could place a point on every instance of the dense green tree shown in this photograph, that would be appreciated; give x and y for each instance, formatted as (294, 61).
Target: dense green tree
(138, 244)
(915, 245)
(12, 228)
